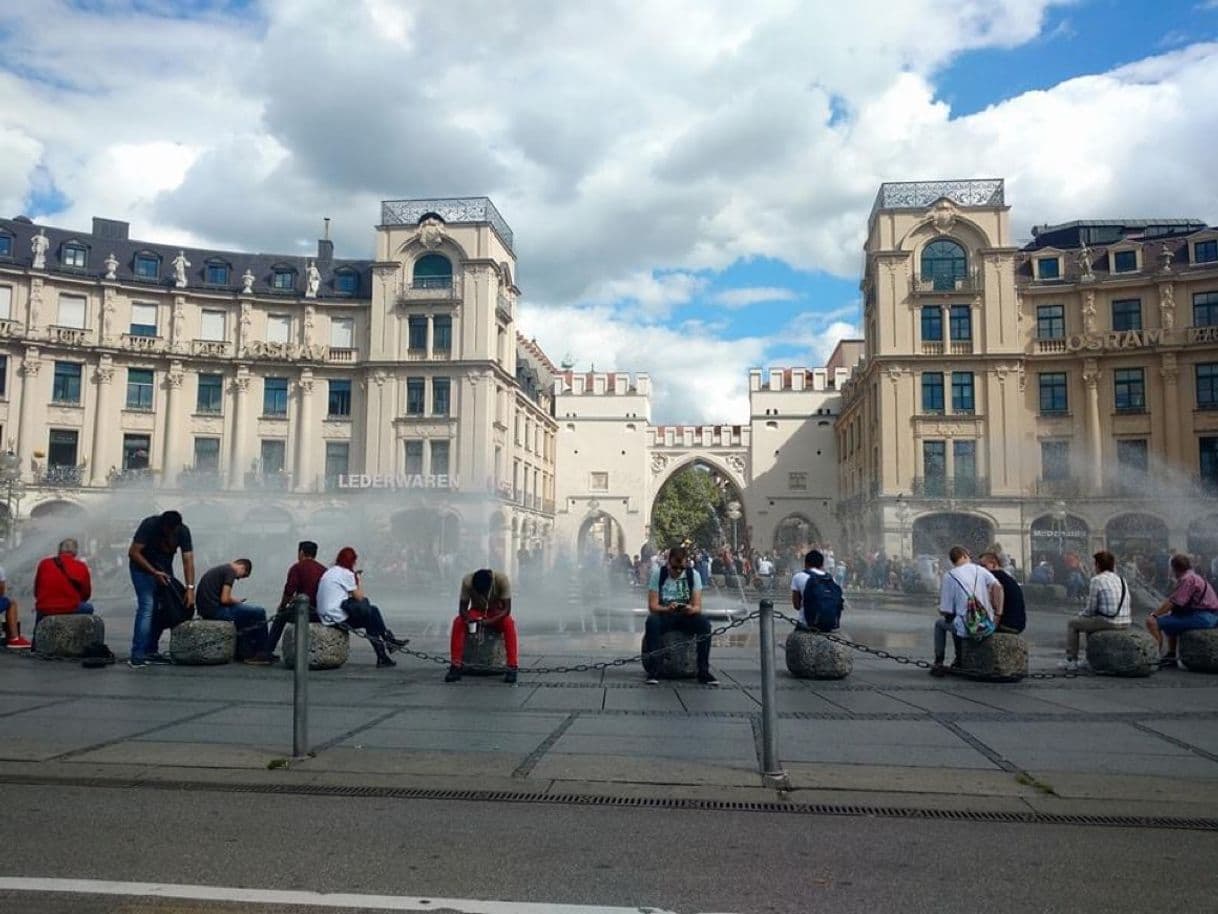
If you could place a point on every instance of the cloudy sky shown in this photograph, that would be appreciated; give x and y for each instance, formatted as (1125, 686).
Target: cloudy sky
(688, 180)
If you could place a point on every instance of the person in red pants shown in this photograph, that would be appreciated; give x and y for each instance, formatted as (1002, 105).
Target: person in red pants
(486, 599)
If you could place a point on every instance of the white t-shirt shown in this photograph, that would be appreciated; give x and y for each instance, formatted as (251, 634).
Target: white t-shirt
(765, 567)
(335, 586)
(798, 581)
(960, 583)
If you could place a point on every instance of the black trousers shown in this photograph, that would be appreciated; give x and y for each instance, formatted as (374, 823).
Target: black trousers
(362, 614)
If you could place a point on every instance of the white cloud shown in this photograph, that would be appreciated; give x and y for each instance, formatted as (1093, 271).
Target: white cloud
(744, 296)
(654, 295)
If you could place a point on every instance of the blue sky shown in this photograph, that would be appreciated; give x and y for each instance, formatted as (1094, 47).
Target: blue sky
(689, 188)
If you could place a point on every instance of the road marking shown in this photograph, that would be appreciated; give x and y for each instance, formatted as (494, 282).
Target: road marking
(303, 899)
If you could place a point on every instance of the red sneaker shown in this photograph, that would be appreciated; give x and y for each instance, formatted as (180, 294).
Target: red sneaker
(18, 644)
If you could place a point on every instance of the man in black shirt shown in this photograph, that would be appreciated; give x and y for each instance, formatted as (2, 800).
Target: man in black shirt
(156, 541)
(217, 601)
(1013, 619)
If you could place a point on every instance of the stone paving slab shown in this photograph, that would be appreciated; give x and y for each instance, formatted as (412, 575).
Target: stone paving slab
(1200, 733)
(382, 737)
(474, 720)
(185, 755)
(741, 750)
(425, 762)
(661, 727)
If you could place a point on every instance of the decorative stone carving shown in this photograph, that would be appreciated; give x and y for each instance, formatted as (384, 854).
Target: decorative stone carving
(895, 372)
(111, 266)
(1167, 305)
(379, 377)
(247, 282)
(1165, 258)
(1091, 374)
(180, 266)
(943, 216)
(104, 373)
(1083, 259)
(1089, 311)
(658, 463)
(179, 324)
(241, 383)
(35, 304)
(431, 233)
(176, 375)
(310, 315)
(39, 245)
(1170, 371)
(306, 382)
(312, 280)
(107, 317)
(735, 463)
(31, 364)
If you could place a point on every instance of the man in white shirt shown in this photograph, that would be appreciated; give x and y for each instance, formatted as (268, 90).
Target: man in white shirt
(799, 580)
(962, 581)
(765, 573)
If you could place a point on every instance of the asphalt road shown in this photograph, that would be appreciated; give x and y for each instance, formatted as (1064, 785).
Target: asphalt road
(686, 861)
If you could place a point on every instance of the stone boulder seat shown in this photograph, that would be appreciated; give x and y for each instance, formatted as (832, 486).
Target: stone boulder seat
(999, 658)
(1199, 650)
(329, 646)
(810, 655)
(68, 635)
(1122, 652)
(484, 654)
(679, 661)
(203, 642)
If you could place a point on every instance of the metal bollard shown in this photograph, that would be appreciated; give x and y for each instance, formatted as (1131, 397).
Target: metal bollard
(300, 685)
(769, 702)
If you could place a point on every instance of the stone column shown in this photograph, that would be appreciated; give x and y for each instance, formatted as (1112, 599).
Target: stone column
(1170, 372)
(431, 335)
(102, 421)
(304, 433)
(1091, 378)
(175, 426)
(238, 463)
(30, 431)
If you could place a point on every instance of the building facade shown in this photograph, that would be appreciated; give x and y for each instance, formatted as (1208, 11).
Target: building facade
(201, 374)
(1052, 396)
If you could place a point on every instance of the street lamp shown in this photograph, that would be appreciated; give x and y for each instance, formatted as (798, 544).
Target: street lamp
(734, 514)
(14, 490)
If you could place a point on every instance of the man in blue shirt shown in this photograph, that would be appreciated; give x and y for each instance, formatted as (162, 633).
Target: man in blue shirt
(674, 603)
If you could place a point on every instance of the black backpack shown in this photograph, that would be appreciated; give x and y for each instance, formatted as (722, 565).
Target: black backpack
(689, 580)
(823, 602)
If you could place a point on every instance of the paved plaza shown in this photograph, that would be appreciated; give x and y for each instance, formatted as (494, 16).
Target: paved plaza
(888, 734)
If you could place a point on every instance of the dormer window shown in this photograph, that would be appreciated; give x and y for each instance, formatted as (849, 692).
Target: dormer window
(74, 255)
(283, 279)
(1124, 261)
(6, 245)
(346, 282)
(1048, 268)
(1203, 251)
(147, 266)
(215, 273)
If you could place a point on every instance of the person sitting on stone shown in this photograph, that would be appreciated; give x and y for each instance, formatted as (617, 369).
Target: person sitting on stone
(486, 600)
(674, 603)
(963, 582)
(1014, 617)
(12, 619)
(341, 601)
(1107, 607)
(798, 581)
(303, 577)
(1192, 604)
(62, 585)
(822, 602)
(215, 599)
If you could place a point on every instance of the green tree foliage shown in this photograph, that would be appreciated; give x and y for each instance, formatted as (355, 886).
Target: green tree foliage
(686, 509)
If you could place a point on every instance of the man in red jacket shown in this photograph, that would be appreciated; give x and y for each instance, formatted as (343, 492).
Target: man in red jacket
(62, 584)
(303, 577)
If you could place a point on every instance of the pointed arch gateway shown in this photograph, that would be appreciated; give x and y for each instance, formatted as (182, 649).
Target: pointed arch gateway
(720, 491)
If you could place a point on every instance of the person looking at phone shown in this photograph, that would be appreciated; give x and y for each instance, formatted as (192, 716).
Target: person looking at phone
(341, 601)
(485, 600)
(674, 603)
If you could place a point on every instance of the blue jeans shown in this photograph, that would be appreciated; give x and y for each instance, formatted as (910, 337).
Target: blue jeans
(660, 623)
(142, 641)
(250, 622)
(1173, 624)
(944, 627)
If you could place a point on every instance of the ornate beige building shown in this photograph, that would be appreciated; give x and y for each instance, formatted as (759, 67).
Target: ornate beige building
(1060, 394)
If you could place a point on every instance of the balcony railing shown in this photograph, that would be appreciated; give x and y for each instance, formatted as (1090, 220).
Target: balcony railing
(950, 486)
(210, 348)
(1050, 346)
(1065, 487)
(8, 328)
(62, 476)
(69, 336)
(136, 342)
(131, 477)
(339, 354)
(199, 478)
(431, 289)
(450, 209)
(947, 287)
(271, 482)
(931, 348)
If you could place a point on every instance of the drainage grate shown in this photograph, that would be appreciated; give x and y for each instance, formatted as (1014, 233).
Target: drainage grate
(682, 803)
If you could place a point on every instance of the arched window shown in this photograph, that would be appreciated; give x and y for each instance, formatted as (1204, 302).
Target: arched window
(944, 262)
(433, 271)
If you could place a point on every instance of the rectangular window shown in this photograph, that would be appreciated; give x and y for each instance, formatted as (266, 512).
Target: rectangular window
(934, 467)
(216, 274)
(210, 398)
(932, 324)
(143, 319)
(1207, 385)
(338, 459)
(275, 396)
(1132, 458)
(3, 376)
(1208, 448)
(139, 388)
(342, 332)
(6, 245)
(797, 482)
(960, 318)
(1050, 322)
(439, 458)
(962, 392)
(1205, 309)
(61, 449)
(339, 402)
(1127, 314)
(440, 389)
(1129, 389)
(346, 282)
(283, 280)
(442, 333)
(211, 325)
(274, 455)
(1053, 396)
(1055, 460)
(1205, 252)
(414, 396)
(71, 311)
(74, 256)
(417, 333)
(147, 266)
(135, 451)
(1048, 268)
(278, 328)
(207, 455)
(599, 482)
(932, 391)
(1124, 261)
(6, 303)
(65, 387)
(414, 457)
(964, 464)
